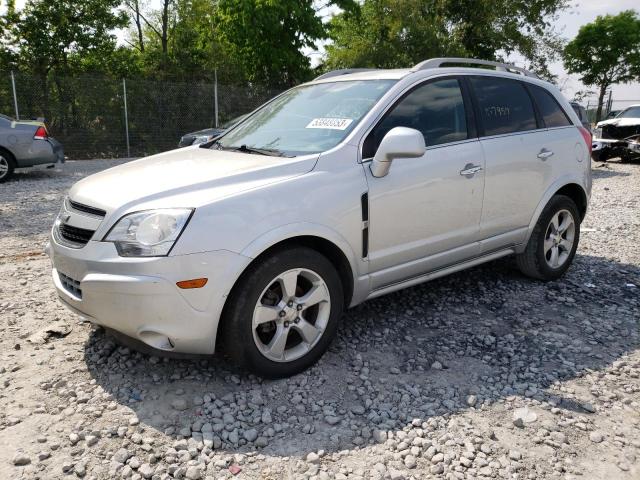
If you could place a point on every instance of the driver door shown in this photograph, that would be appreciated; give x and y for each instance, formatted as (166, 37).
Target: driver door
(425, 214)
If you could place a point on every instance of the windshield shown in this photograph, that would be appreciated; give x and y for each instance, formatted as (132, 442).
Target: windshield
(233, 121)
(306, 119)
(631, 112)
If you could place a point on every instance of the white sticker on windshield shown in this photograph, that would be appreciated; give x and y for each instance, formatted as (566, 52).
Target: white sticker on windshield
(330, 123)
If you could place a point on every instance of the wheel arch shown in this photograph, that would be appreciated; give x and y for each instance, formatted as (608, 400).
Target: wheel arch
(327, 248)
(569, 187)
(330, 249)
(5, 150)
(576, 193)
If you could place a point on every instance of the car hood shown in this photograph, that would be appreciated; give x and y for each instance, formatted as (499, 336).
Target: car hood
(620, 122)
(188, 177)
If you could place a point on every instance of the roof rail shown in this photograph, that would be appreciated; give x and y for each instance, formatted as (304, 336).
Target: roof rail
(343, 71)
(504, 67)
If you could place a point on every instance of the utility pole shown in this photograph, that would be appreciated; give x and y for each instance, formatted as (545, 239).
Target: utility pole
(126, 116)
(215, 95)
(15, 96)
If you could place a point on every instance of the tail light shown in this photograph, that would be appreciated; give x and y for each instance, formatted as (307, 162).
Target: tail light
(41, 133)
(588, 138)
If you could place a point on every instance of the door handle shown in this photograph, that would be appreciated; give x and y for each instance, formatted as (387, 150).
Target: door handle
(470, 170)
(544, 154)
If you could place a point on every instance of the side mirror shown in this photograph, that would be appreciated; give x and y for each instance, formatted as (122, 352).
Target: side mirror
(399, 142)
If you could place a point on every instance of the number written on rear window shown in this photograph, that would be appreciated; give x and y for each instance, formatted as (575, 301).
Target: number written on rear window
(505, 105)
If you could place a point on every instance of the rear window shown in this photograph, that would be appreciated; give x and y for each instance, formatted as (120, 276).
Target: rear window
(552, 113)
(505, 105)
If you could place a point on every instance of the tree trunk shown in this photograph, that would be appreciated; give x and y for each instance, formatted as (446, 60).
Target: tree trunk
(44, 107)
(165, 26)
(603, 91)
(138, 22)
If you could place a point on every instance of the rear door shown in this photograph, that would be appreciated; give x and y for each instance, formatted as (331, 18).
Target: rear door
(516, 152)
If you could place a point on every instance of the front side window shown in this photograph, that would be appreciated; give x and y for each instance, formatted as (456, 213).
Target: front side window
(436, 109)
(550, 110)
(306, 119)
(505, 106)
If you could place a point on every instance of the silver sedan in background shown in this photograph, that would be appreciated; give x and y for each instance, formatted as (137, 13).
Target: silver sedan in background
(26, 144)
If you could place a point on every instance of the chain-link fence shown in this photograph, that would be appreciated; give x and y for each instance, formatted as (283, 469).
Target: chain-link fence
(98, 117)
(610, 108)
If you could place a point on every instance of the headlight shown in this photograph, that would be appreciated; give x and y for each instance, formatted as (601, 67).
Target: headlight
(597, 132)
(201, 139)
(151, 233)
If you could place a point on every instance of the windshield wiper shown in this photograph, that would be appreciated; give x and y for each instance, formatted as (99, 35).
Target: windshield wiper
(243, 148)
(260, 151)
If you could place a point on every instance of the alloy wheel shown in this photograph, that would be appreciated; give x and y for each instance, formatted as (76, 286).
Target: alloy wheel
(559, 238)
(4, 167)
(291, 315)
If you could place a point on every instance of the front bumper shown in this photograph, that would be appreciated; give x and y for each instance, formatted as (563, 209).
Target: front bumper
(139, 297)
(603, 149)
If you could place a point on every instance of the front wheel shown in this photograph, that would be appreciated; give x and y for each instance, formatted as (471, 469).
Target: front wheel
(284, 312)
(553, 242)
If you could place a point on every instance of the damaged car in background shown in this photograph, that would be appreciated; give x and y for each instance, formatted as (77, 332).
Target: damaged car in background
(618, 137)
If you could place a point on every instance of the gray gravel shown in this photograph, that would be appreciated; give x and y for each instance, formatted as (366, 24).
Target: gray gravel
(484, 374)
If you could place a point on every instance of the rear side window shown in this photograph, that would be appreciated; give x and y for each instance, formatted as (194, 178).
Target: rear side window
(581, 112)
(550, 110)
(436, 109)
(505, 106)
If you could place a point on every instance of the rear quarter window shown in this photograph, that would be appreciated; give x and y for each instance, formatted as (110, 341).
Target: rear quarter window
(552, 113)
(504, 104)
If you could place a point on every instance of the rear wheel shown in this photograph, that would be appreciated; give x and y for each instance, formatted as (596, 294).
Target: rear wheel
(284, 313)
(553, 242)
(7, 166)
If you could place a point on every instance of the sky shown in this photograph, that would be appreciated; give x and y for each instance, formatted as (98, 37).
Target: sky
(567, 24)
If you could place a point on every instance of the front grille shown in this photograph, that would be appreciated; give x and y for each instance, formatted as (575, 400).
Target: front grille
(70, 285)
(619, 133)
(76, 235)
(87, 209)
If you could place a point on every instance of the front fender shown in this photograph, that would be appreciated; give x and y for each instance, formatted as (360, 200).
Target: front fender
(307, 229)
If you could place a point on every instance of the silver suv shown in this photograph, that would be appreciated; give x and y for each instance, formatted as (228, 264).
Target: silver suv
(346, 188)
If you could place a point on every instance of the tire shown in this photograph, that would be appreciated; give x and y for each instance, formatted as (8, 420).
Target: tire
(7, 165)
(537, 261)
(268, 282)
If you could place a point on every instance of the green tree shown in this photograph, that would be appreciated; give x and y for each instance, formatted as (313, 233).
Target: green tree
(395, 33)
(7, 39)
(55, 35)
(180, 41)
(53, 41)
(389, 34)
(606, 52)
(268, 36)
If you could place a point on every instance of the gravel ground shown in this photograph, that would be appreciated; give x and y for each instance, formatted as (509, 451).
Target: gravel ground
(483, 374)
